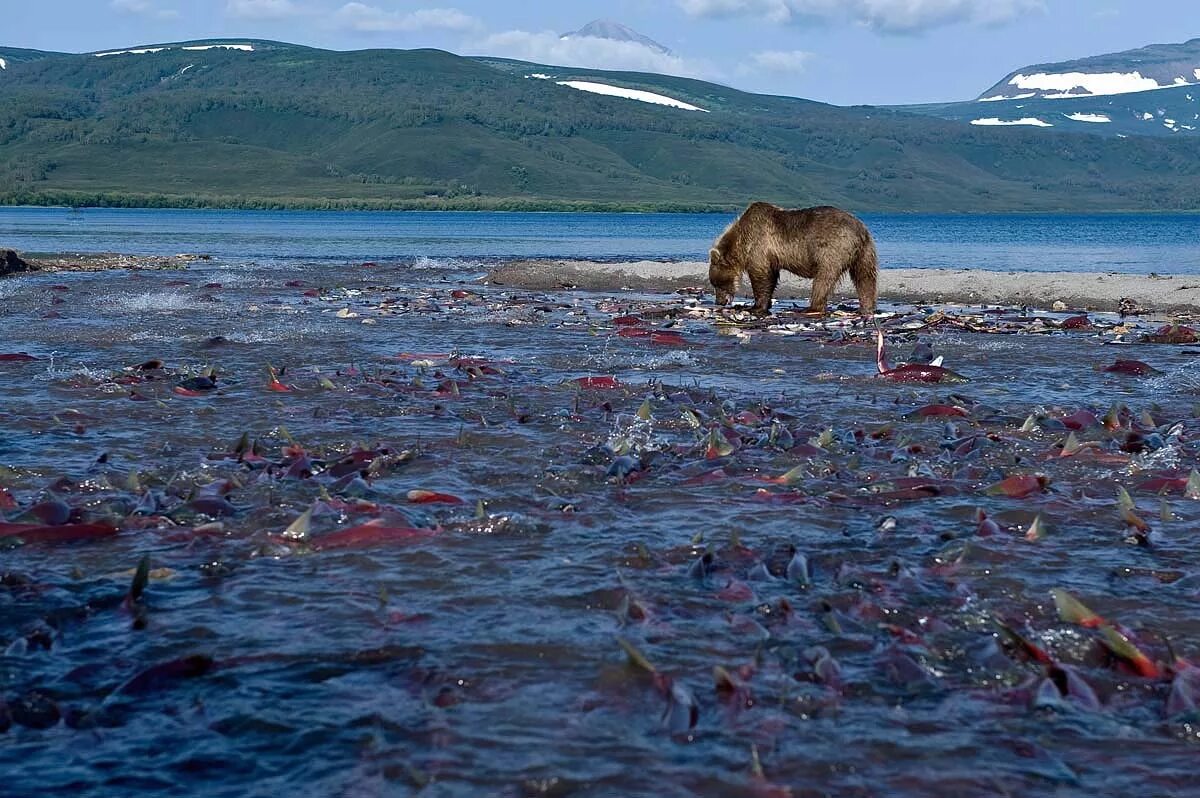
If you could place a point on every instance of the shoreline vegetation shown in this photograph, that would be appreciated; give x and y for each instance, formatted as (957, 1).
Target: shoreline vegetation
(1153, 294)
(65, 199)
(84, 201)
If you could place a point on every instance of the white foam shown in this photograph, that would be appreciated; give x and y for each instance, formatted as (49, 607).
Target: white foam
(629, 94)
(3, 64)
(141, 51)
(1196, 73)
(1093, 84)
(161, 302)
(1028, 120)
(246, 48)
(1080, 117)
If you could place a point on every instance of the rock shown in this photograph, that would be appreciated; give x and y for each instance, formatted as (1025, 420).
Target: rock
(1059, 306)
(1128, 307)
(12, 263)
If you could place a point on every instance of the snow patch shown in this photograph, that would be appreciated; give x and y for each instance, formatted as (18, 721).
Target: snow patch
(1147, 117)
(1093, 84)
(999, 97)
(629, 94)
(246, 48)
(141, 51)
(1196, 72)
(539, 76)
(1028, 120)
(1080, 117)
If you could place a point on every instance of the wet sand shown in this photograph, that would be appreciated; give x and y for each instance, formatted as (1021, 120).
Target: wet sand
(1075, 290)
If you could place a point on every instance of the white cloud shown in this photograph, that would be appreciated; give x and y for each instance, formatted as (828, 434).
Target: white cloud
(146, 8)
(372, 19)
(778, 61)
(888, 16)
(588, 51)
(262, 9)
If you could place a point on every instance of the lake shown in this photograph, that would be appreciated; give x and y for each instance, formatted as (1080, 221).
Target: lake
(1037, 242)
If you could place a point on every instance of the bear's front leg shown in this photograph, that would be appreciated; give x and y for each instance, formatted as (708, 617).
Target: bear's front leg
(822, 289)
(764, 291)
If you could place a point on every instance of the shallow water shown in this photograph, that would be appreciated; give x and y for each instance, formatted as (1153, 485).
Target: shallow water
(1130, 243)
(477, 651)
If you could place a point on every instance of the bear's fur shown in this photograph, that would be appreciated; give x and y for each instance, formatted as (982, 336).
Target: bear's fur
(821, 244)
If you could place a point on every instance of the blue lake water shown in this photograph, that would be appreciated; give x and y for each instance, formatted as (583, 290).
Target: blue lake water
(1024, 242)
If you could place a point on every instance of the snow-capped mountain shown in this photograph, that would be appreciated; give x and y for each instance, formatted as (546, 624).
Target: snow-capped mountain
(1157, 66)
(615, 31)
(1151, 91)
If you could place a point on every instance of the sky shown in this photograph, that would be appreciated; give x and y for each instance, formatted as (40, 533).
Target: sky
(845, 52)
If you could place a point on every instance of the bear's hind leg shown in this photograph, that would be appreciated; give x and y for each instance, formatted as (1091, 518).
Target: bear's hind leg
(764, 290)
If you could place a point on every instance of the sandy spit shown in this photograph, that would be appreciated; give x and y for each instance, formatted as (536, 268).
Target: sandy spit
(1076, 290)
(104, 261)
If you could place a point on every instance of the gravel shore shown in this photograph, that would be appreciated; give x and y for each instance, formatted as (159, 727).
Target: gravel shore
(1075, 290)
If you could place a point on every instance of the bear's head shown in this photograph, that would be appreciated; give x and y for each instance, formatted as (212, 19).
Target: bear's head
(723, 276)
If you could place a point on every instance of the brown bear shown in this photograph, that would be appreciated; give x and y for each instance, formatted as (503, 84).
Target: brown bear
(821, 243)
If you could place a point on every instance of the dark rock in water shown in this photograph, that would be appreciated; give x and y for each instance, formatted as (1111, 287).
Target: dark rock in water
(35, 711)
(12, 263)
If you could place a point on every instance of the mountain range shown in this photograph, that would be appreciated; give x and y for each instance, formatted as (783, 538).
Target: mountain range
(1150, 91)
(251, 123)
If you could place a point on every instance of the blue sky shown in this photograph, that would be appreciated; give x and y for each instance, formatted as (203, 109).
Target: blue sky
(840, 51)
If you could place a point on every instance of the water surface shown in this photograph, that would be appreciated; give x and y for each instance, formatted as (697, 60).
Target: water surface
(476, 651)
(1137, 244)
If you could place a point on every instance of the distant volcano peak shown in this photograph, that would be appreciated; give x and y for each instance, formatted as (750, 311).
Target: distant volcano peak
(615, 31)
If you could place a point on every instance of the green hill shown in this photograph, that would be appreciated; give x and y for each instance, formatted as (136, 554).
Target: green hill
(1170, 112)
(289, 126)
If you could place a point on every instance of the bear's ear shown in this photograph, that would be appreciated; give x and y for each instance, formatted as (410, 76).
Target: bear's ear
(714, 255)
